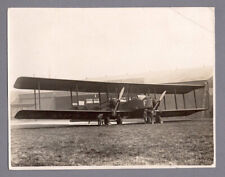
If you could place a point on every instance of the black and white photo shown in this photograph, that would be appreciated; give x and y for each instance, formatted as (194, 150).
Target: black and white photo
(111, 88)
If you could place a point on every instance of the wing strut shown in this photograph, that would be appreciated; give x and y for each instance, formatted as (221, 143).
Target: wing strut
(99, 97)
(195, 99)
(184, 101)
(71, 97)
(175, 98)
(39, 94)
(164, 101)
(77, 95)
(35, 104)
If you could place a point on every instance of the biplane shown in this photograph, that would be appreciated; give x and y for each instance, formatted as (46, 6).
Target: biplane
(119, 108)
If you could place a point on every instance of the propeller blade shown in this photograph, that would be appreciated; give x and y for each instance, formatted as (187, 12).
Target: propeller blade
(121, 93)
(162, 96)
(160, 99)
(118, 101)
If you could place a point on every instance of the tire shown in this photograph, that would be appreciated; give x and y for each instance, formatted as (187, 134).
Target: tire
(106, 121)
(158, 119)
(119, 120)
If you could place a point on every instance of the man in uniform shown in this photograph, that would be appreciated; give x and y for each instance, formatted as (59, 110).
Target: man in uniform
(150, 115)
(148, 104)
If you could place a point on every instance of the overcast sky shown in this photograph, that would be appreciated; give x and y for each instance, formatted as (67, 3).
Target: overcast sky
(94, 42)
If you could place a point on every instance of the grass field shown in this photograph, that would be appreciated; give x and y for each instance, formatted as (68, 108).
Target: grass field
(175, 143)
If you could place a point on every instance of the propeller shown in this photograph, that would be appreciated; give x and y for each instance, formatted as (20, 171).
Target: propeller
(118, 101)
(160, 99)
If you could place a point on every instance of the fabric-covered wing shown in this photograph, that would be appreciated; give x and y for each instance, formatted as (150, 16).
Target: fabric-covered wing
(180, 112)
(62, 114)
(95, 87)
(138, 113)
(87, 115)
(56, 114)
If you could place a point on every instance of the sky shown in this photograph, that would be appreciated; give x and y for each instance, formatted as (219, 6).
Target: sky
(79, 43)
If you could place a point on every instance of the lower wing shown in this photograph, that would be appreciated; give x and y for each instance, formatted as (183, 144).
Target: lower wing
(92, 114)
(63, 114)
(180, 112)
(167, 113)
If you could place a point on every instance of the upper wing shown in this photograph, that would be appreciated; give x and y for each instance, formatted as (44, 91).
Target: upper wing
(95, 87)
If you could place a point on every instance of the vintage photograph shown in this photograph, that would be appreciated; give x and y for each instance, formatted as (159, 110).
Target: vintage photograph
(111, 88)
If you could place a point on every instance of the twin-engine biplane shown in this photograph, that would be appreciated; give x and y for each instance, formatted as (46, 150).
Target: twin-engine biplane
(111, 108)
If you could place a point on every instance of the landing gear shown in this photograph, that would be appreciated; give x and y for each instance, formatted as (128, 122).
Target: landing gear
(158, 119)
(119, 120)
(106, 120)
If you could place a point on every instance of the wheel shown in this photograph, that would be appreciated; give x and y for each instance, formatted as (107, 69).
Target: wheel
(158, 119)
(119, 120)
(106, 121)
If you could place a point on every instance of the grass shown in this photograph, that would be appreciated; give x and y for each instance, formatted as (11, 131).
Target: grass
(177, 143)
